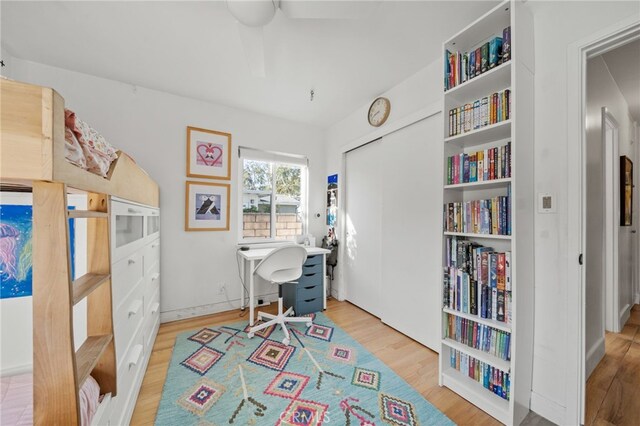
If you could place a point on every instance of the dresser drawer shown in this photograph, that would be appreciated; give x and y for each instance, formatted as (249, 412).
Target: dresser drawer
(312, 269)
(310, 278)
(152, 284)
(129, 375)
(125, 275)
(151, 321)
(315, 259)
(309, 292)
(303, 307)
(128, 320)
(151, 255)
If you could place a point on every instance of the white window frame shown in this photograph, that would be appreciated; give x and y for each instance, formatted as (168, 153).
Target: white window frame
(246, 153)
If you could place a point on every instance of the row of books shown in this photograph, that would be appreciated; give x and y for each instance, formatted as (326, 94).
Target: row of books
(463, 294)
(489, 164)
(491, 216)
(479, 336)
(460, 67)
(482, 263)
(493, 379)
(491, 109)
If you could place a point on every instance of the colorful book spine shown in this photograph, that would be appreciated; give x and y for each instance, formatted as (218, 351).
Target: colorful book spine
(490, 377)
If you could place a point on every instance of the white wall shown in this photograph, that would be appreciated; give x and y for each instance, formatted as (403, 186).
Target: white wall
(151, 127)
(556, 25)
(413, 94)
(602, 91)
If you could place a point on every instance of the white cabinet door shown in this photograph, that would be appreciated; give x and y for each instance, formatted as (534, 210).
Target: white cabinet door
(412, 230)
(363, 224)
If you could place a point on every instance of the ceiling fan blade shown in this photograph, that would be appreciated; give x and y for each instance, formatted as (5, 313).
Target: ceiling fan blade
(252, 39)
(319, 9)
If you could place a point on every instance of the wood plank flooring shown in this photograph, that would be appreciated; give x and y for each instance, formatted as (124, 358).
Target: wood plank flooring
(410, 360)
(612, 389)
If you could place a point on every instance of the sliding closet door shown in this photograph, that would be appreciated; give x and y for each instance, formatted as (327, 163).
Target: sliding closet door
(411, 232)
(363, 224)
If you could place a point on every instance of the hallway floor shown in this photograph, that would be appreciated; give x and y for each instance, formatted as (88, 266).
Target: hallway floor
(612, 389)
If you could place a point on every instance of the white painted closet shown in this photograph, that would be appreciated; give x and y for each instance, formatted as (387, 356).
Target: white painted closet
(393, 211)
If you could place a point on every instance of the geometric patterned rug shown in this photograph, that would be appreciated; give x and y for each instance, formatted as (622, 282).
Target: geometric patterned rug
(218, 376)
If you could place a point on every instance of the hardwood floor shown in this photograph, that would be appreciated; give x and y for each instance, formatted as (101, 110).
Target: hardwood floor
(612, 389)
(410, 360)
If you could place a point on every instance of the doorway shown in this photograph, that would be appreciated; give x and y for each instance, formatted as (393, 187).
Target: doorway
(611, 344)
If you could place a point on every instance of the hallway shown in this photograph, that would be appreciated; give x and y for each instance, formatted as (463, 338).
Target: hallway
(612, 389)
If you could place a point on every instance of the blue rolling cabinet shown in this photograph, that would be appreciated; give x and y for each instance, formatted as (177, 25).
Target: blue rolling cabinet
(306, 296)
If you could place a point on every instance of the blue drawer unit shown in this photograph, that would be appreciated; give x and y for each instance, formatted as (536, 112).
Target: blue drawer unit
(306, 296)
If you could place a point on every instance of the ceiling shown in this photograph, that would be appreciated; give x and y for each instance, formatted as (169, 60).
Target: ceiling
(194, 49)
(624, 66)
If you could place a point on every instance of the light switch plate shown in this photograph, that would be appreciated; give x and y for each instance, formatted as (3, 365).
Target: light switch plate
(547, 202)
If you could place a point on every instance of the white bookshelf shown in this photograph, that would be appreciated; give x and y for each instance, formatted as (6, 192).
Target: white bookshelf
(516, 75)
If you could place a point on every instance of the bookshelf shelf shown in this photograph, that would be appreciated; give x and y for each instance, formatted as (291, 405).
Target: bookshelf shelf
(471, 235)
(489, 82)
(475, 393)
(485, 184)
(511, 274)
(479, 355)
(483, 135)
(488, 322)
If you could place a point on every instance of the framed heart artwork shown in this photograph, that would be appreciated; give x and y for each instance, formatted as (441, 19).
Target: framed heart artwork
(208, 154)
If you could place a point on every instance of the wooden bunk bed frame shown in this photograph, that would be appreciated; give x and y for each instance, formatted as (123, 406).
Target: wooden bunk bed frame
(32, 158)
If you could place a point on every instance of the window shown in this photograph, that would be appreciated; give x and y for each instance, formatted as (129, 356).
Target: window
(274, 200)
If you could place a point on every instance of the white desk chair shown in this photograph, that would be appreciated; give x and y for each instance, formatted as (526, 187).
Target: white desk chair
(282, 265)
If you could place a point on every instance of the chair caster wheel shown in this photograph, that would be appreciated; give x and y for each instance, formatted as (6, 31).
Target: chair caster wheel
(286, 341)
(309, 324)
(250, 335)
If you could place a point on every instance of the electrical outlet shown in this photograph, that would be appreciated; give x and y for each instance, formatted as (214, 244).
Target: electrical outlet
(222, 288)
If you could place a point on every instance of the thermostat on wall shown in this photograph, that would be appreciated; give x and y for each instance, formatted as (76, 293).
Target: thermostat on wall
(546, 202)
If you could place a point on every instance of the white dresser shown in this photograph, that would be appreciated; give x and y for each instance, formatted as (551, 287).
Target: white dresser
(135, 271)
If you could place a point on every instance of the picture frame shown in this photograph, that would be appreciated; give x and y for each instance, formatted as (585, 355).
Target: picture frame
(626, 191)
(207, 206)
(208, 153)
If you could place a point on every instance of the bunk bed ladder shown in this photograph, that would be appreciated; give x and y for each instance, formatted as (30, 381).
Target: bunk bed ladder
(58, 370)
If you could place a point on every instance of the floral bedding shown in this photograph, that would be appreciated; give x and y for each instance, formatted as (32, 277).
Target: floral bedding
(85, 147)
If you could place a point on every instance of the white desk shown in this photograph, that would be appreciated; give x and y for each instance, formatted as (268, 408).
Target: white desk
(253, 256)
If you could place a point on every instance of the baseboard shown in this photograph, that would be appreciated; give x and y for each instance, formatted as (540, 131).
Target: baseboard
(14, 371)
(594, 355)
(548, 409)
(625, 313)
(212, 308)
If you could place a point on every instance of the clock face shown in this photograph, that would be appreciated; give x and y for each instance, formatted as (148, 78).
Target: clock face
(379, 111)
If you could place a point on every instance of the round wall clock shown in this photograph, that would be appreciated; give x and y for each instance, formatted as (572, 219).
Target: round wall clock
(379, 111)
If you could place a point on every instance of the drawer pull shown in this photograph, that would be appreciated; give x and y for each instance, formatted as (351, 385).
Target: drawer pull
(155, 245)
(135, 306)
(309, 288)
(136, 354)
(155, 307)
(309, 275)
(131, 261)
(310, 300)
(155, 277)
(134, 211)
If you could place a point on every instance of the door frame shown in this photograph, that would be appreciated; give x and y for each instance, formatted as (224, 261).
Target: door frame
(577, 55)
(611, 155)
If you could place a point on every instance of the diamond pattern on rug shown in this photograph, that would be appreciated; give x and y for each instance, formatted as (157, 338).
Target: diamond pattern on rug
(287, 385)
(204, 336)
(202, 360)
(264, 333)
(303, 413)
(272, 355)
(199, 398)
(368, 379)
(321, 332)
(396, 411)
(342, 353)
